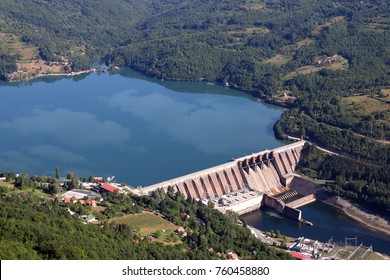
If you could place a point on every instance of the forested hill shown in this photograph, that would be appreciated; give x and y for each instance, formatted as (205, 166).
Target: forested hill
(327, 61)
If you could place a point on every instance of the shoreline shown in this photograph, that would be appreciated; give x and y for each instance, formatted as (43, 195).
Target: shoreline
(369, 220)
(64, 74)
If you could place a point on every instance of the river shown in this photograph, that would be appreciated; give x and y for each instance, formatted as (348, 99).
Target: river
(328, 222)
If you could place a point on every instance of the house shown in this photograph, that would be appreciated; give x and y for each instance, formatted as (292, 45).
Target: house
(91, 203)
(97, 179)
(180, 231)
(82, 202)
(88, 219)
(298, 256)
(184, 216)
(150, 238)
(73, 199)
(110, 188)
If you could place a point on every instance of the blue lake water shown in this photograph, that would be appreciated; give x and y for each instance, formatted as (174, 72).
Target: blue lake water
(141, 130)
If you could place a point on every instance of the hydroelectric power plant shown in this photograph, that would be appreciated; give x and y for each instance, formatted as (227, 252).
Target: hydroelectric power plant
(246, 183)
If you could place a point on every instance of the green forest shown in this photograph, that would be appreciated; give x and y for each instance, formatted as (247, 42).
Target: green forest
(327, 62)
(36, 228)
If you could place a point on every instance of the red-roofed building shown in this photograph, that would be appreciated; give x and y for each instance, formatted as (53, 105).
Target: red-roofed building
(184, 216)
(233, 256)
(97, 179)
(91, 203)
(110, 188)
(298, 256)
(73, 199)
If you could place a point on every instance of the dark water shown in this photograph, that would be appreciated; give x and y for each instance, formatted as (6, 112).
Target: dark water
(141, 130)
(328, 222)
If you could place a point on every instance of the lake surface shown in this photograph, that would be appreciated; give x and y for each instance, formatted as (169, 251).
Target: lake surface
(327, 222)
(141, 130)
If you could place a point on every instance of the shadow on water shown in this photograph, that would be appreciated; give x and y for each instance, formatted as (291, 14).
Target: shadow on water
(328, 222)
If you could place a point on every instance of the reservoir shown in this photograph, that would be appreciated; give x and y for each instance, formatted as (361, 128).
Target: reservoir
(122, 124)
(144, 131)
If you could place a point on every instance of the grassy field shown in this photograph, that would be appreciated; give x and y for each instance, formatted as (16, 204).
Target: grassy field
(341, 64)
(15, 47)
(6, 184)
(385, 94)
(255, 6)
(366, 103)
(319, 28)
(147, 223)
(278, 59)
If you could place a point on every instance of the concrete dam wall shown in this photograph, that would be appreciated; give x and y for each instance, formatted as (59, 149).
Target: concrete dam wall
(265, 172)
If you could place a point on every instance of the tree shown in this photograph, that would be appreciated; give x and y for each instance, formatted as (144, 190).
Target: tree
(157, 234)
(58, 175)
(54, 187)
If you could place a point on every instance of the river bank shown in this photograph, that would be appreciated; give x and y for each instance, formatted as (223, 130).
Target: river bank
(369, 220)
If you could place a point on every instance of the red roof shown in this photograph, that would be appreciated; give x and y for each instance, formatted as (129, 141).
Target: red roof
(297, 255)
(108, 187)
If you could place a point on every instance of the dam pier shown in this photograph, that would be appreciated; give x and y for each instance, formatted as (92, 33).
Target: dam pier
(245, 184)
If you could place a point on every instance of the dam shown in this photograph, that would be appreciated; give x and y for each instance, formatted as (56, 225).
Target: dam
(243, 184)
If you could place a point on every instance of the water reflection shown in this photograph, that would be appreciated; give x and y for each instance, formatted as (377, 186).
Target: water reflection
(77, 129)
(138, 130)
(210, 124)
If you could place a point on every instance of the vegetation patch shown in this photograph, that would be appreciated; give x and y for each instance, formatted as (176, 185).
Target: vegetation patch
(364, 104)
(278, 59)
(29, 63)
(385, 94)
(290, 49)
(380, 24)
(7, 185)
(321, 27)
(147, 223)
(255, 5)
(334, 63)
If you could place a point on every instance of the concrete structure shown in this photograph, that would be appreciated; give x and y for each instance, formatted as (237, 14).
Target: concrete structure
(268, 172)
(263, 174)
